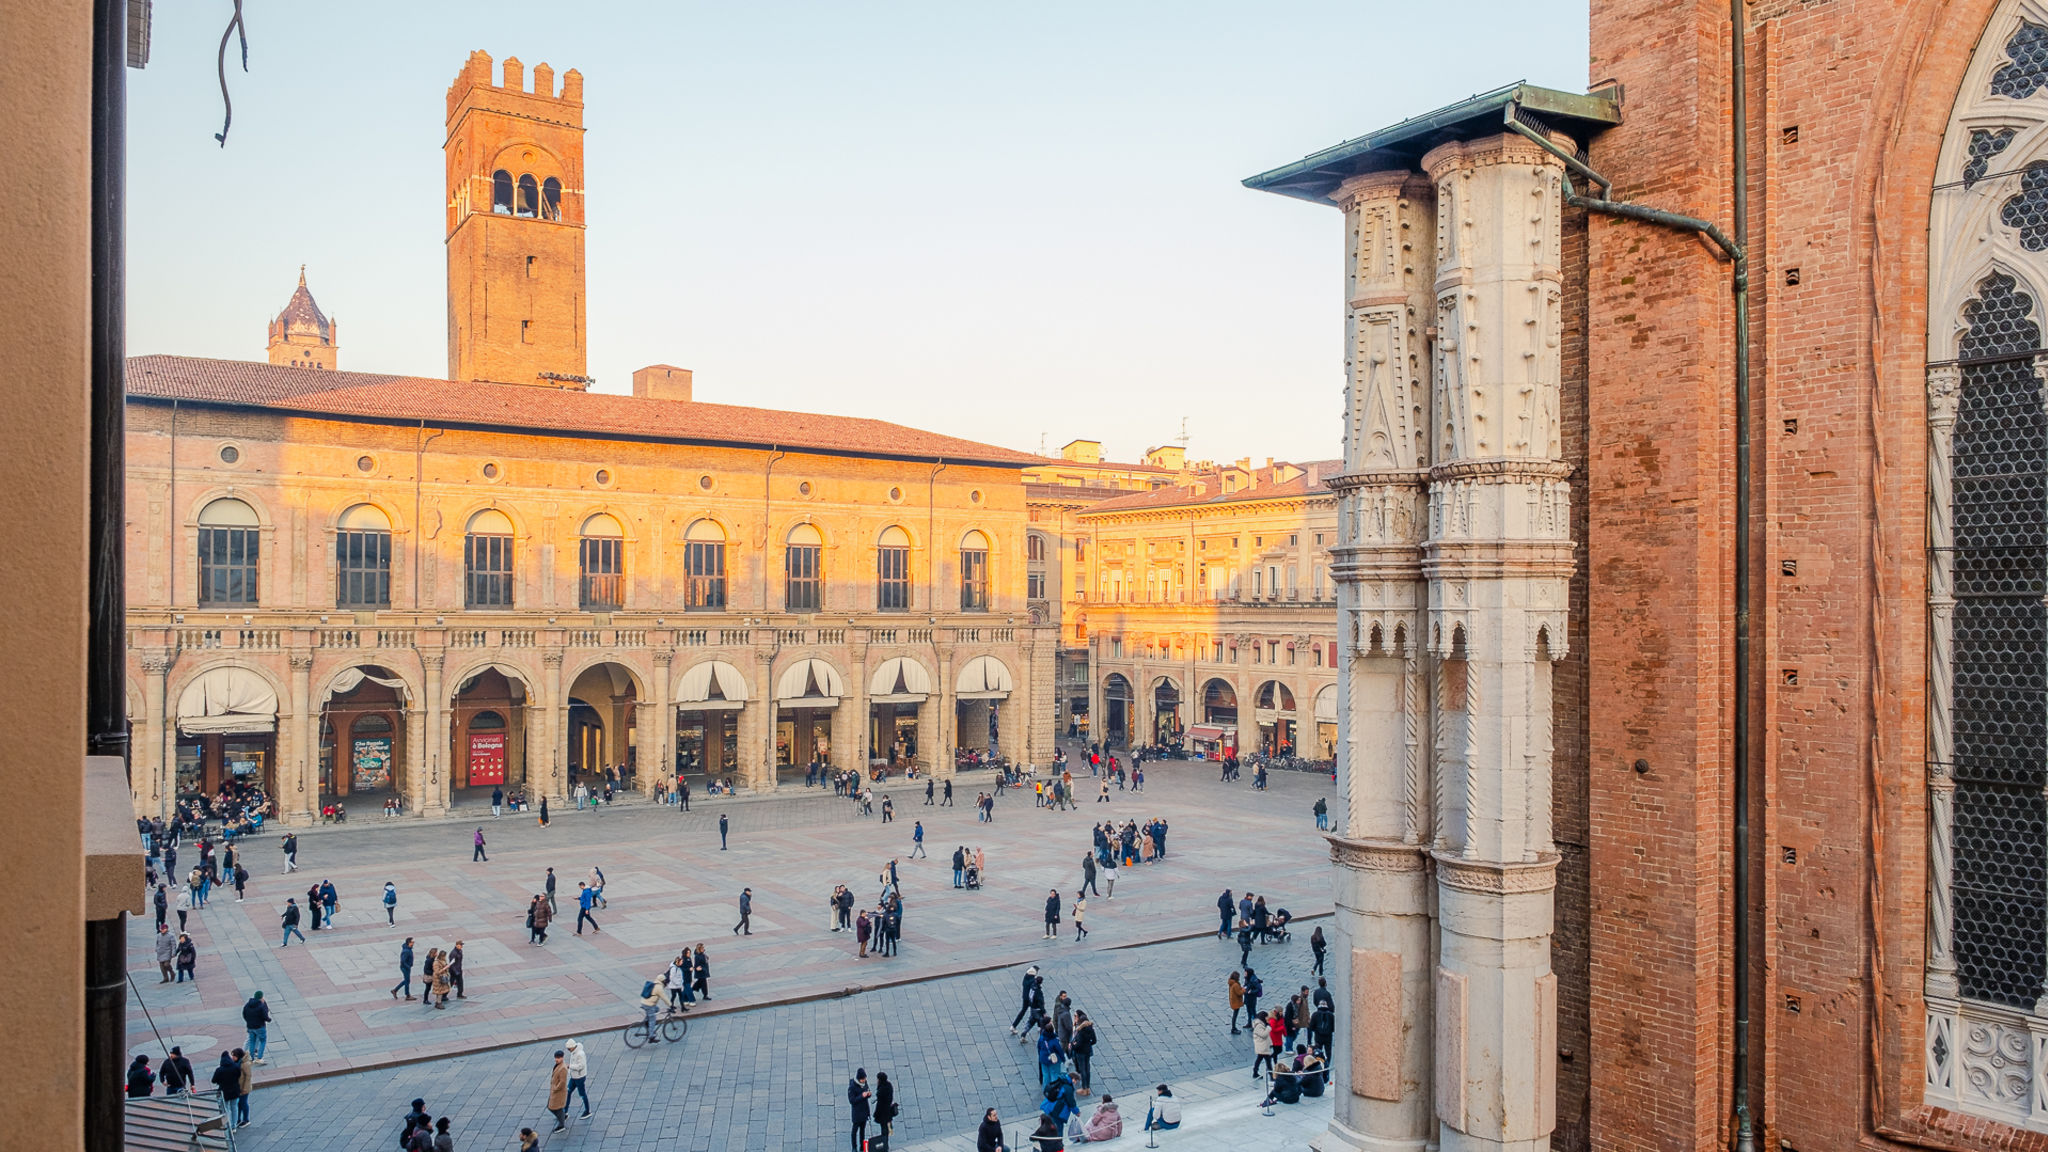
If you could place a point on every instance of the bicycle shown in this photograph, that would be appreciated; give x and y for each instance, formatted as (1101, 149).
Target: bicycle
(674, 1026)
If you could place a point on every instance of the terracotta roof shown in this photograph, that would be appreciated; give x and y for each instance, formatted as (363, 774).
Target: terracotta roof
(526, 408)
(1196, 495)
(302, 310)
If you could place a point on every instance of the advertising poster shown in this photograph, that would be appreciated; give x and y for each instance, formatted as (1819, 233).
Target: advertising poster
(486, 758)
(372, 764)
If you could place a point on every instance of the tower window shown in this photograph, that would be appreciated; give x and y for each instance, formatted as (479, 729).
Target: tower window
(528, 203)
(551, 199)
(523, 326)
(501, 192)
(529, 267)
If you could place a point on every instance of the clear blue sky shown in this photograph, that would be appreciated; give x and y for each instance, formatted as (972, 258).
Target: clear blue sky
(992, 220)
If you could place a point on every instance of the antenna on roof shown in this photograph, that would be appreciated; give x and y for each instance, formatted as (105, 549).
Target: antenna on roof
(1183, 434)
(1041, 443)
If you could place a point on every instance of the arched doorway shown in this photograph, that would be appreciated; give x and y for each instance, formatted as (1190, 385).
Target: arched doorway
(1166, 725)
(1326, 722)
(1216, 735)
(363, 749)
(487, 733)
(896, 696)
(1116, 709)
(602, 716)
(1275, 715)
(980, 689)
(709, 701)
(227, 734)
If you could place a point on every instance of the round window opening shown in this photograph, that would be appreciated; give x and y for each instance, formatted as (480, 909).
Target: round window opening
(603, 476)
(490, 471)
(895, 493)
(229, 453)
(804, 488)
(704, 482)
(975, 495)
(366, 464)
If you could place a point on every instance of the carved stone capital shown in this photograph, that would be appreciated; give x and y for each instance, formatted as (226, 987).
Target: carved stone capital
(1375, 855)
(551, 659)
(1491, 879)
(1507, 470)
(1944, 389)
(432, 661)
(155, 665)
(301, 661)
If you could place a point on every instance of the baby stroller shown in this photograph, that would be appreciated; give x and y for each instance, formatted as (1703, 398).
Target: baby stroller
(973, 878)
(1276, 929)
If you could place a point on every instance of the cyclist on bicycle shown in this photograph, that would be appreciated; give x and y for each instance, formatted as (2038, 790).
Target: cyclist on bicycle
(650, 1004)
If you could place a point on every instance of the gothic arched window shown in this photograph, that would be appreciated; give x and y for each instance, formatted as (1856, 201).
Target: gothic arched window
(529, 197)
(551, 199)
(501, 192)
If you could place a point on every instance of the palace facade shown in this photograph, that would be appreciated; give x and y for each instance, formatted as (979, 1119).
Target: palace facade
(351, 586)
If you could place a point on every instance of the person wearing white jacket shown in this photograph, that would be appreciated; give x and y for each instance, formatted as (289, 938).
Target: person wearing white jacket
(577, 1061)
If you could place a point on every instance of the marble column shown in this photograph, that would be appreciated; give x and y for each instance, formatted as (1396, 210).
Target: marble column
(1497, 559)
(435, 752)
(302, 800)
(155, 790)
(657, 728)
(1384, 928)
(555, 706)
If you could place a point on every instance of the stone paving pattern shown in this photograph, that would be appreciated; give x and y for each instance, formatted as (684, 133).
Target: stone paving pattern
(669, 885)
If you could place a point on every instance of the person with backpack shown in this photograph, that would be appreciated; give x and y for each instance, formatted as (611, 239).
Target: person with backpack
(391, 903)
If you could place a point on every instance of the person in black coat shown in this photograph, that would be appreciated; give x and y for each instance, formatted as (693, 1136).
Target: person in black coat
(857, 1095)
(1052, 914)
(1225, 907)
(140, 1079)
(228, 1078)
(990, 1137)
(177, 1072)
(1034, 998)
(885, 1104)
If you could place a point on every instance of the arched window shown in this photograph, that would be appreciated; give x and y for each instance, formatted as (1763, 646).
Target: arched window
(362, 558)
(227, 555)
(601, 564)
(487, 561)
(529, 197)
(892, 571)
(803, 582)
(551, 199)
(501, 192)
(1034, 571)
(974, 573)
(704, 567)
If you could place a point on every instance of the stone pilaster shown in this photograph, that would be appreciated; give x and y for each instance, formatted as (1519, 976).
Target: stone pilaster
(1944, 391)
(555, 705)
(302, 797)
(1382, 950)
(154, 789)
(436, 750)
(1497, 559)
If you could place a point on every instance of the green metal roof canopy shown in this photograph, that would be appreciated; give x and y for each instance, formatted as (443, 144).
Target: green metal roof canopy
(1402, 146)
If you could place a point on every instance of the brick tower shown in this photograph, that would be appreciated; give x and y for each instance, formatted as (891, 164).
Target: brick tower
(515, 226)
(302, 336)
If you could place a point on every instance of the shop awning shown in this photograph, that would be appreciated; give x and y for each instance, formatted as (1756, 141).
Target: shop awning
(1326, 705)
(1213, 733)
(900, 680)
(227, 700)
(810, 684)
(984, 678)
(354, 678)
(710, 686)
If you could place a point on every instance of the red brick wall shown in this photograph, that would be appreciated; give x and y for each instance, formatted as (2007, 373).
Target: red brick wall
(1839, 764)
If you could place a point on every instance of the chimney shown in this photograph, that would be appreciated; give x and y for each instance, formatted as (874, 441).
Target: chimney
(662, 382)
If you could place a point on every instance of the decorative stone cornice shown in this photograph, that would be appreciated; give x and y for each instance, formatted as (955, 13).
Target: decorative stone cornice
(1415, 478)
(1492, 879)
(1506, 469)
(301, 661)
(1505, 148)
(155, 665)
(1376, 855)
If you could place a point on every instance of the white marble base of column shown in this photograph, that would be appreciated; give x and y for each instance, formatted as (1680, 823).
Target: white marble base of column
(1382, 968)
(1496, 1005)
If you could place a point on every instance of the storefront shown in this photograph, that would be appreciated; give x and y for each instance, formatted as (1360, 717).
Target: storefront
(896, 696)
(362, 738)
(1275, 717)
(227, 733)
(979, 691)
(1326, 722)
(1166, 725)
(709, 700)
(1212, 741)
(807, 696)
(1116, 709)
(487, 734)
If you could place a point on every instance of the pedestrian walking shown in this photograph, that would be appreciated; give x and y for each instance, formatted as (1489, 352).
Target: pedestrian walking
(1080, 910)
(162, 900)
(188, 958)
(454, 966)
(290, 920)
(917, 840)
(291, 852)
(1033, 1008)
(928, 792)
(558, 1092)
(1224, 907)
(946, 797)
(744, 927)
(1052, 1057)
(477, 853)
(721, 831)
(1088, 873)
(497, 802)
(166, 951)
(544, 823)
(256, 1018)
(703, 965)
(538, 913)
(1244, 943)
(577, 1063)
(550, 890)
(390, 903)
(1319, 946)
(1235, 989)
(1052, 914)
(857, 1095)
(404, 970)
(241, 876)
(586, 898)
(1262, 1044)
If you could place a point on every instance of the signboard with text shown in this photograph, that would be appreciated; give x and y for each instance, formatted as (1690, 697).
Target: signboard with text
(486, 758)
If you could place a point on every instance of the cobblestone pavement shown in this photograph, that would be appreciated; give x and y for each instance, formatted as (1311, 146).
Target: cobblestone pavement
(775, 1077)
(670, 885)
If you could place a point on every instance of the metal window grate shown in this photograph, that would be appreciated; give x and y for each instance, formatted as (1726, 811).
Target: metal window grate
(1999, 465)
(1984, 144)
(2027, 209)
(2027, 50)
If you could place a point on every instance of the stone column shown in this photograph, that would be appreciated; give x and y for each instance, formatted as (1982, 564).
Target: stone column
(555, 706)
(1498, 558)
(154, 787)
(1384, 926)
(417, 792)
(658, 727)
(759, 742)
(850, 719)
(435, 751)
(1944, 391)
(302, 802)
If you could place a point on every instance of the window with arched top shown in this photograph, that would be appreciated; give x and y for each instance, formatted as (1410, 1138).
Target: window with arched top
(551, 199)
(601, 564)
(704, 566)
(528, 203)
(362, 558)
(974, 572)
(501, 192)
(803, 581)
(892, 571)
(228, 544)
(487, 561)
